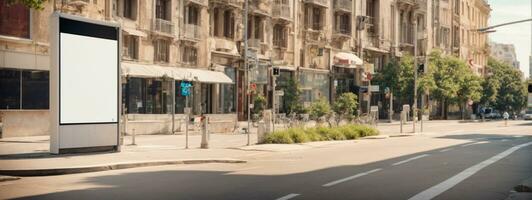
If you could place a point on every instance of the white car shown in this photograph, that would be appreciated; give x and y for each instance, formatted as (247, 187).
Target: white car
(528, 116)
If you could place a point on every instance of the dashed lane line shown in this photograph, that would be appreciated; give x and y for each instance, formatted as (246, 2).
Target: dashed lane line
(410, 159)
(351, 177)
(444, 150)
(289, 196)
(456, 179)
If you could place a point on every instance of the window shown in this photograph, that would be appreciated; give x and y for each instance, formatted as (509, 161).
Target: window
(316, 19)
(24, 89)
(229, 23)
(130, 9)
(258, 28)
(148, 96)
(162, 50)
(131, 47)
(457, 7)
(162, 9)
(279, 36)
(193, 15)
(228, 92)
(343, 24)
(190, 55)
(314, 86)
(14, 20)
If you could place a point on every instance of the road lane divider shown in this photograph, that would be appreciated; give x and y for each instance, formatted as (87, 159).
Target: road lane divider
(456, 179)
(351, 177)
(289, 196)
(444, 150)
(410, 159)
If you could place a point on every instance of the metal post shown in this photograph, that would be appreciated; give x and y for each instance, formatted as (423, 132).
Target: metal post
(414, 107)
(133, 138)
(204, 139)
(187, 113)
(401, 119)
(274, 96)
(248, 93)
(173, 105)
(391, 107)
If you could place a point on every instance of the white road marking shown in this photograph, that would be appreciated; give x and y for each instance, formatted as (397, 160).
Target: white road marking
(444, 150)
(473, 143)
(410, 159)
(453, 181)
(504, 140)
(351, 177)
(289, 196)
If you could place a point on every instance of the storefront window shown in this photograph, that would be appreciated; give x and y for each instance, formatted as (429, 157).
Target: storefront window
(24, 89)
(148, 96)
(314, 86)
(227, 92)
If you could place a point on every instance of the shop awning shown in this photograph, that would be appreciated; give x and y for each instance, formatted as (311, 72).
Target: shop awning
(207, 76)
(177, 73)
(347, 59)
(146, 71)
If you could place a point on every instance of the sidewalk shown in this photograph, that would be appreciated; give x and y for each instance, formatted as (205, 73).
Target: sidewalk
(31, 153)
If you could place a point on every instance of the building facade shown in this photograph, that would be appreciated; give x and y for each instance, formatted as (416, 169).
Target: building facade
(504, 53)
(325, 45)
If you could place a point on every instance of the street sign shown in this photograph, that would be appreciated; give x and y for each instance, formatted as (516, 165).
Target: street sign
(374, 109)
(279, 92)
(185, 88)
(375, 88)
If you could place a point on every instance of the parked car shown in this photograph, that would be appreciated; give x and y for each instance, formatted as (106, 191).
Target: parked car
(492, 114)
(528, 115)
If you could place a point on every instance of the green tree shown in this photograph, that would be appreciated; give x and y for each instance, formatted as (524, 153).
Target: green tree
(292, 97)
(511, 92)
(346, 105)
(447, 73)
(319, 109)
(34, 4)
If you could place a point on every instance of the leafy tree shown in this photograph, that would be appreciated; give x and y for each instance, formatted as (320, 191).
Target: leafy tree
(34, 4)
(511, 92)
(292, 97)
(346, 105)
(470, 90)
(319, 109)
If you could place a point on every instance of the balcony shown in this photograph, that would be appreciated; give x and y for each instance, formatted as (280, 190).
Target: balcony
(373, 41)
(323, 3)
(343, 5)
(314, 36)
(342, 33)
(191, 32)
(199, 2)
(254, 43)
(233, 3)
(163, 26)
(281, 11)
(260, 7)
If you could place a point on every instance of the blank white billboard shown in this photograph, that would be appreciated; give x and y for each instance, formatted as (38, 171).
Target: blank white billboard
(88, 80)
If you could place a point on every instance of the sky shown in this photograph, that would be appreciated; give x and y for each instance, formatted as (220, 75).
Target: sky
(517, 34)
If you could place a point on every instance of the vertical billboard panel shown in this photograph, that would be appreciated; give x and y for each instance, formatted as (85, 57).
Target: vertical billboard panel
(85, 80)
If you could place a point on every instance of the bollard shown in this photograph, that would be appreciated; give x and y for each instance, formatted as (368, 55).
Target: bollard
(401, 121)
(261, 132)
(133, 138)
(204, 139)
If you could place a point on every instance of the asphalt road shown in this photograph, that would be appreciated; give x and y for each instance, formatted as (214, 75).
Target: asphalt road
(466, 164)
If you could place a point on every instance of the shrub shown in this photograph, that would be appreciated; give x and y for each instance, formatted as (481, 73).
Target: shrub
(367, 131)
(298, 135)
(350, 131)
(346, 104)
(335, 134)
(279, 137)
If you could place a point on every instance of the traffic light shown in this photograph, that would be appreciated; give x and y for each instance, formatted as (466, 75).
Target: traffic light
(529, 87)
(276, 71)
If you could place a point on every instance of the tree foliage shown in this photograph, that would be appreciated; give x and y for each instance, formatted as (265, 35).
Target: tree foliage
(506, 89)
(319, 109)
(34, 4)
(292, 97)
(346, 104)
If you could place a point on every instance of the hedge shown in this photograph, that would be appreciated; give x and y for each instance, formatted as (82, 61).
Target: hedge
(302, 135)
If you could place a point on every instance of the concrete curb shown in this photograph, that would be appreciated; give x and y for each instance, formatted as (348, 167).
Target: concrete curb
(404, 135)
(8, 178)
(115, 166)
(376, 137)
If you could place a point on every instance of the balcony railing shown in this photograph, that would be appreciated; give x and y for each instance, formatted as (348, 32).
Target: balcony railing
(323, 3)
(346, 32)
(191, 31)
(259, 7)
(281, 11)
(163, 26)
(200, 2)
(343, 5)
